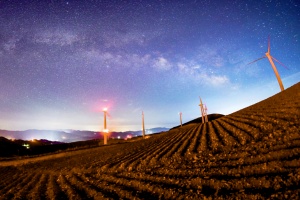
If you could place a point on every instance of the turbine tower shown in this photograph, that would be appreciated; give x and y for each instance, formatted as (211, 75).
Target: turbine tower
(201, 110)
(180, 114)
(143, 125)
(105, 131)
(271, 58)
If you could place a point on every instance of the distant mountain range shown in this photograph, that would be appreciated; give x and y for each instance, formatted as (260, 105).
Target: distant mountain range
(72, 135)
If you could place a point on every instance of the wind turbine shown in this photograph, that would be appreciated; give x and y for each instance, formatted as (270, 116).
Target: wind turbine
(105, 130)
(143, 125)
(271, 58)
(201, 110)
(180, 114)
(205, 110)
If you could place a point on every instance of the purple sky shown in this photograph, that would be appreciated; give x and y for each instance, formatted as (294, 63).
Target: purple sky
(61, 62)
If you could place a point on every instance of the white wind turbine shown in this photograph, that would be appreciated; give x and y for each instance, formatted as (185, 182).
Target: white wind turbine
(202, 110)
(105, 130)
(180, 115)
(271, 58)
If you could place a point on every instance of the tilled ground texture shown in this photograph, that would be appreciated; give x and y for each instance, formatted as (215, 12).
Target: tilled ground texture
(251, 154)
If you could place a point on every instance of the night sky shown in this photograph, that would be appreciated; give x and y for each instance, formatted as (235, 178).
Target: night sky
(62, 62)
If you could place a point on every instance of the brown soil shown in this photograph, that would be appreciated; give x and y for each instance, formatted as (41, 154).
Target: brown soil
(251, 154)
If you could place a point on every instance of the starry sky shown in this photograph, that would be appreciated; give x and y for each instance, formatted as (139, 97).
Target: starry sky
(62, 62)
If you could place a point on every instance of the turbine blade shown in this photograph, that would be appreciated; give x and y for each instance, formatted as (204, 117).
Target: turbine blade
(269, 44)
(256, 60)
(279, 62)
(108, 115)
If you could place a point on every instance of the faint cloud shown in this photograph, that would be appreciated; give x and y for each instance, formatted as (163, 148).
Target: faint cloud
(121, 38)
(200, 74)
(252, 70)
(210, 56)
(162, 63)
(135, 60)
(216, 80)
(138, 109)
(97, 57)
(183, 68)
(10, 45)
(190, 68)
(58, 37)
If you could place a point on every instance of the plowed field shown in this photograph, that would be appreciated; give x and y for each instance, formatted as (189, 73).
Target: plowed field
(252, 153)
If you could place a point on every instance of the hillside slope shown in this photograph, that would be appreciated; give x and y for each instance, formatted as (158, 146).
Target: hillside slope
(252, 153)
(198, 120)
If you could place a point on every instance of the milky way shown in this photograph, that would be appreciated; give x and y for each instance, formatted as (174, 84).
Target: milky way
(62, 62)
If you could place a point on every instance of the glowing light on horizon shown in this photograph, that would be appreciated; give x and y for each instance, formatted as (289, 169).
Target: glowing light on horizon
(26, 145)
(106, 131)
(128, 137)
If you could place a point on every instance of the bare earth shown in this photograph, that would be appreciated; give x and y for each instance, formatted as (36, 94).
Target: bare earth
(253, 153)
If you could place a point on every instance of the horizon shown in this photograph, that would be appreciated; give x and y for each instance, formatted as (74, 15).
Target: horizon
(65, 130)
(63, 62)
(100, 130)
(68, 135)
